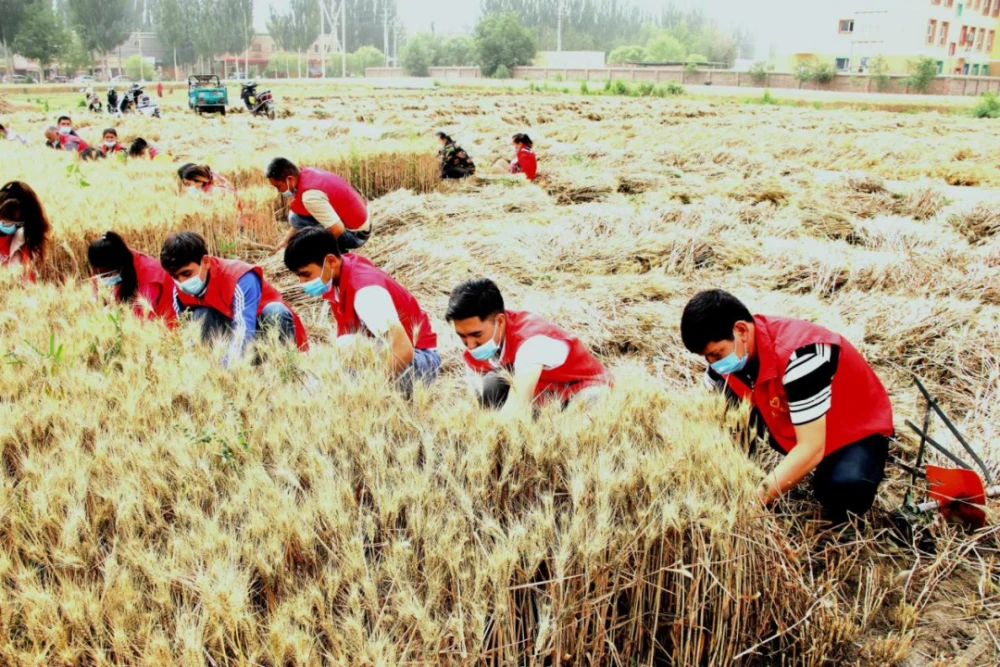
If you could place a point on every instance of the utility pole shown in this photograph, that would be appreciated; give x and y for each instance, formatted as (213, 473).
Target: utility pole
(343, 38)
(385, 31)
(559, 15)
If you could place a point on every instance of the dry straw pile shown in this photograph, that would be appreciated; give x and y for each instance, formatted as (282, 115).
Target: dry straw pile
(159, 510)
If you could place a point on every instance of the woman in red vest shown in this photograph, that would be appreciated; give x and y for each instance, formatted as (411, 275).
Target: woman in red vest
(24, 229)
(230, 298)
(525, 161)
(133, 277)
(366, 300)
(321, 199)
(546, 361)
(201, 179)
(826, 410)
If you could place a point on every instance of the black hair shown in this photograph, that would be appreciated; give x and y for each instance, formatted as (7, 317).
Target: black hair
(181, 249)
(310, 246)
(523, 139)
(62, 118)
(110, 252)
(475, 298)
(91, 154)
(709, 317)
(190, 171)
(2, 128)
(137, 147)
(18, 202)
(110, 130)
(442, 135)
(281, 168)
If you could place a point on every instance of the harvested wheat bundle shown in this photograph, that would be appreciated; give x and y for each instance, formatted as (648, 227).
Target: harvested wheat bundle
(829, 223)
(5, 106)
(638, 183)
(577, 186)
(978, 224)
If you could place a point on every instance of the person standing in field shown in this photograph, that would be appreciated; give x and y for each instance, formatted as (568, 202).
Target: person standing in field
(546, 361)
(366, 301)
(64, 141)
(321, 199)
(230, 298)
(9, 135)
(455, 162)
(525, 161)
(24, 229)
(132, 277)
(159, 89)
(109, 144)
(826, 410)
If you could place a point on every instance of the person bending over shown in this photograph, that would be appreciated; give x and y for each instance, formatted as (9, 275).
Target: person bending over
(366, 300)
(321, 199)
(132, 277)
(229, 297)
(525, 161)
(24, 229)
(547, 362)
(826, 410)
(455, 162)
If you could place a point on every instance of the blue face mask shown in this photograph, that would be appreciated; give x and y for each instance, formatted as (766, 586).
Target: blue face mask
(485, 351)
(7, 228)
(111, 281)
(731, 363)
(192, 286)
(316, 287)
(288, 194)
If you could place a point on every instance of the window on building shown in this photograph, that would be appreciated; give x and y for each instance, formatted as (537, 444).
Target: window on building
(944, 33)
(996, 9)
(931, 31)
(256, 48)
(949, 3)
(846, 26)
(965, 70)
(975, 70)
(961, 39)
(951, 49)
(935, 2)
(989, 40)
(940, 66)
(981, 39)
(975, 4)
(843, 64)
(959, 11)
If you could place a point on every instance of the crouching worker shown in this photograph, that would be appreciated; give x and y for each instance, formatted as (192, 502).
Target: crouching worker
(547, 362)
(230, 298)
(826, 410)
(133, 277)
(24, 230)
(321, 199)
(366, 300)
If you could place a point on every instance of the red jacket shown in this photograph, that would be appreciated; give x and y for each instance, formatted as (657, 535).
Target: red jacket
(117, 148)
(860, 405)
(72, 142)
(222, 278)
(350, 206)
(526, 163)
(581, 369)
(156, 286)
(24, 256)
(358, 273)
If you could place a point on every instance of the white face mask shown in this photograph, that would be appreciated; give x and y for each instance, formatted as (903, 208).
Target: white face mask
(65, 130)
(110, 144)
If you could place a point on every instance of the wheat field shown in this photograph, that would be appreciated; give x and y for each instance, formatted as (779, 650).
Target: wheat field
(157, 509)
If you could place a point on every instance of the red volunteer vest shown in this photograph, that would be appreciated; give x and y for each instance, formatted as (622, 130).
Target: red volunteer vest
(6, 242)
(580, 371)
(356, 273)
(222, 278)
(348, 204)
(149, 272)
(526, 164)
(860, 405)
(71, 141)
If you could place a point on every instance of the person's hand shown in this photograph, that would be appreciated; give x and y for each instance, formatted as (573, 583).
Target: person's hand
(763, 495)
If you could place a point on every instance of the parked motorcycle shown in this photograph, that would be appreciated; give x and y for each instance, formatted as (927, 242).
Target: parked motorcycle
(112, 100)
(135, 99)
(259, 104)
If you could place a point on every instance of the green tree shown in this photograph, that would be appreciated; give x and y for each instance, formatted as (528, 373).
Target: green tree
(43, 36)
(458, 52)
(824, 73)
(76, 56)
(101, 24)
(138, 69)
(502, 40)
(664, 48)
(363, 58)
(626, 54)
(878, 68)
(172, 29)
(419, 53)
(804, 71)
(296, 30)
(922, 74)
(12, 15)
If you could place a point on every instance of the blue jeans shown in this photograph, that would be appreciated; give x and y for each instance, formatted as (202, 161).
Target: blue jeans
(215, 325)
(347, 241)
(424, 367)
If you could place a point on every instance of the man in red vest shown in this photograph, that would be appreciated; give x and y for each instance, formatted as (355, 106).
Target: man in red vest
(63, 138)
(824, 407)
(229, 297)
(546, 361)
(367, 301)
(321, 199)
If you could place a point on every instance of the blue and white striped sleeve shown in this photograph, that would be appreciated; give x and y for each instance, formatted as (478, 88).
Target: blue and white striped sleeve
(246, 300)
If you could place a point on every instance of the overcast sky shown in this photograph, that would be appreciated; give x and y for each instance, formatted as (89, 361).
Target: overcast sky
(766, 18)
